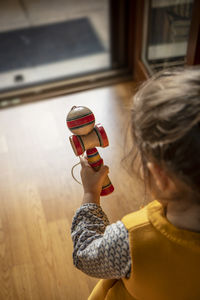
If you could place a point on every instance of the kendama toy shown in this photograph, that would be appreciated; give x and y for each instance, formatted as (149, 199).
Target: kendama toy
(86, 137)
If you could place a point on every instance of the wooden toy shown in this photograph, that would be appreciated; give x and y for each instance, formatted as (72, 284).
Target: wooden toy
(87, 136)
(96, 138)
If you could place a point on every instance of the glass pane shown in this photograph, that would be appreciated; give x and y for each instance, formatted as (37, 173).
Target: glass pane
(166, 32)
(48, 40)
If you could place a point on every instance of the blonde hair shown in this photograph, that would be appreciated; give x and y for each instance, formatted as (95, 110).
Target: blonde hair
(166, 123)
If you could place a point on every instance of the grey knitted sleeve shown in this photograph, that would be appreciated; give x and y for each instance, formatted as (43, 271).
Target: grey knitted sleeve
(100, 250)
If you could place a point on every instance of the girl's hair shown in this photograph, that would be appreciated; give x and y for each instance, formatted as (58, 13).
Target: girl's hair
(166, 124)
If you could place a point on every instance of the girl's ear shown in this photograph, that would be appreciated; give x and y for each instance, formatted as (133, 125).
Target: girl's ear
(162, 181)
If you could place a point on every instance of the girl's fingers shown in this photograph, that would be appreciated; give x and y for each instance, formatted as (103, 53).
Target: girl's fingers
(104, 170)
(83, 161)
(101, 174)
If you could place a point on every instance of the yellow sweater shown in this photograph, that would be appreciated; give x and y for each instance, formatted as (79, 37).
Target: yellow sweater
(165, 261)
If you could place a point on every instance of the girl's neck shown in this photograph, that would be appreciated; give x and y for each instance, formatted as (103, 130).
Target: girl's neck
(184, 217)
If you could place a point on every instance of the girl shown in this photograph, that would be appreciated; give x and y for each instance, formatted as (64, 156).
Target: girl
(153, 253)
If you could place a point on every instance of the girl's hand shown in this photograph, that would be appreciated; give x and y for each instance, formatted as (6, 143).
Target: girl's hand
(92, 181)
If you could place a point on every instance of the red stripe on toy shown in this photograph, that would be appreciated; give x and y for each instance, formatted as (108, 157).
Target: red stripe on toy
(97, 163)
(91, 151)
(77, 145)
(103, 135)
(108, 190)
(81, 121)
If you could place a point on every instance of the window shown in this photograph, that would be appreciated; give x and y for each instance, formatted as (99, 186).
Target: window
(53, 47)
(166, 32)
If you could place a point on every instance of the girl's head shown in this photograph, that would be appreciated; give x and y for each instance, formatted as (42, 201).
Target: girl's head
(166, 129)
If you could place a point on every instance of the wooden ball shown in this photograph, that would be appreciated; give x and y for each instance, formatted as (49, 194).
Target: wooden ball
(80, 120)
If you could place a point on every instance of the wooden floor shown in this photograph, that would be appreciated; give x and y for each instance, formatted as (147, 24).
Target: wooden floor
(38, 196)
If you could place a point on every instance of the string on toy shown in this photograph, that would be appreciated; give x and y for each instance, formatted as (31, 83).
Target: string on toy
(72, 172)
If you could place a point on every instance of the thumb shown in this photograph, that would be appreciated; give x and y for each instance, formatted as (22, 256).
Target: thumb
(83, 161)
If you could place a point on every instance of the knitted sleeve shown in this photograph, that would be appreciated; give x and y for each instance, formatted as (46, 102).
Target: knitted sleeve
(100, 250)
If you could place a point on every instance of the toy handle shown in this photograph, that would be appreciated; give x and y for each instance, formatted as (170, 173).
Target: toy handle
(95, 161)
